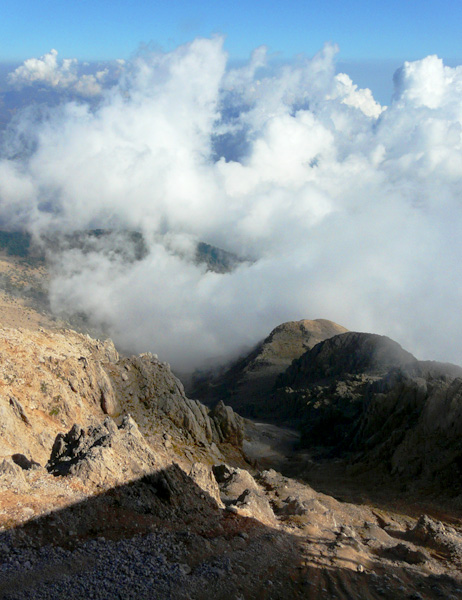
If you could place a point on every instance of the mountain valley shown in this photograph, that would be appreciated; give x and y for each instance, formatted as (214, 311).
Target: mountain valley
(341, 480)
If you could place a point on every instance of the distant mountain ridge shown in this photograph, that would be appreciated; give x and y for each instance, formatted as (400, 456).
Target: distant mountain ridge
(364, 395)
(356, 395)
(129, 244)
(246, 384)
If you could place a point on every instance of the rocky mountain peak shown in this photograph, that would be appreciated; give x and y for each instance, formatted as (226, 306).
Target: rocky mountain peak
(248, 381)
(349, 353)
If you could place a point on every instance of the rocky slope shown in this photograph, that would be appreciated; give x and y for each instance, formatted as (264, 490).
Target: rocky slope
(162, 536)
(364, 395)
(114, 484)
(246, 384)
(52, 380)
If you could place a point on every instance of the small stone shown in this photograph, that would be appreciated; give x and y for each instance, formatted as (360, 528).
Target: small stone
(185, 569)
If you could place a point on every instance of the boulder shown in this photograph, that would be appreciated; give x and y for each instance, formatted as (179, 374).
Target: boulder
(233, 482)
(12, 476)
(254, 504)
(104, 454)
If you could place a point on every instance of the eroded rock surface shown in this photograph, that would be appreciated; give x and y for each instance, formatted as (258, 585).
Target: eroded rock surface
(51, 380)
(246, 384)
(364, 395)
(103, 455)
(48, 381)
(151, 393)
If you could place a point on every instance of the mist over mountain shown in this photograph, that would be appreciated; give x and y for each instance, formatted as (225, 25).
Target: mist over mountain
(340, 207)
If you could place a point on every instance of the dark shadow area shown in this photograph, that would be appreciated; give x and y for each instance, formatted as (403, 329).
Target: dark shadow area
(160, 536)
(271, 446)
(123, 511)
(163, 537)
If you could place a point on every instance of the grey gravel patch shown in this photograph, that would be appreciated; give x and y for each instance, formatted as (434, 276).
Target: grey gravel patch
(97, 569)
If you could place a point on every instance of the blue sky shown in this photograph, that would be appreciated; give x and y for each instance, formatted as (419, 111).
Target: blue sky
(103, 29)
(374, 37)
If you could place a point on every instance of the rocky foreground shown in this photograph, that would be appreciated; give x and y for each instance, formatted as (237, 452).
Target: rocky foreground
(114, 484)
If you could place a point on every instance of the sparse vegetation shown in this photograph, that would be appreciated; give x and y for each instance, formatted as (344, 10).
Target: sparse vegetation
(15, 243)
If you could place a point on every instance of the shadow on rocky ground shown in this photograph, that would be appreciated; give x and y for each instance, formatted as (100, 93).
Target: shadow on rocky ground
(162, 536)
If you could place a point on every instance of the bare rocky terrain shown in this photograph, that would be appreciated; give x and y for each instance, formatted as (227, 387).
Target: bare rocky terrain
(115, 484)
(246, 384)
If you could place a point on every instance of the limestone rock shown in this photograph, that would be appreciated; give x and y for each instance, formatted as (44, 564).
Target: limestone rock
(102, 455)
(228, 424)
(233, 482)
(241, 493)
(405, 553)
(153, 395)
(363, 394)
(12, 476)
(434, 534)
(49, 381)
(203, 476)
(19, 410)
(246, 384)
(252, 503)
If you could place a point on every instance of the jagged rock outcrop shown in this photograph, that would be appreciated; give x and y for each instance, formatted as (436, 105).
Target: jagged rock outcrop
(413, 427)
(203, 476)
(242, 494)
(434, 534)
(51, 380)
(233, 482)
(103, 455)
(246, 384)
(228, 424)
(48, 381)
(152, 394)
(363, 394)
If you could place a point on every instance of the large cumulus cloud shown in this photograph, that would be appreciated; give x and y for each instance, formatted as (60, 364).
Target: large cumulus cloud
(344, 209)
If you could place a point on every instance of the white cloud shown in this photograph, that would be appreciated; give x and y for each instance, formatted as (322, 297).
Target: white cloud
(349, 94)
(428, 83)
(48, 71)
(348, 211)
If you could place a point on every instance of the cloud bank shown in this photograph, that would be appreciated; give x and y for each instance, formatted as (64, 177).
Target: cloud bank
(65, 75)
(345, 209)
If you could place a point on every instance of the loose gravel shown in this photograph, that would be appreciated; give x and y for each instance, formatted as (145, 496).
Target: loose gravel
(98, 569)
